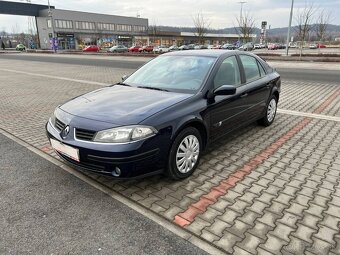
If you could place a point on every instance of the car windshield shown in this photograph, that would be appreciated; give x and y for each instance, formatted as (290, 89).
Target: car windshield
(173, 73)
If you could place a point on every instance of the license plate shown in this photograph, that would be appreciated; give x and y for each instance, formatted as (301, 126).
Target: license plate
(68, 151)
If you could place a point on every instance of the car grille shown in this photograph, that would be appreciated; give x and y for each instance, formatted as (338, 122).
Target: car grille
(86, 135)
(59, 125)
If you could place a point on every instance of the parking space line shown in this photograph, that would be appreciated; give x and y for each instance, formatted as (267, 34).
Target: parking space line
(56, 77)
(309, 115)
(188, 216)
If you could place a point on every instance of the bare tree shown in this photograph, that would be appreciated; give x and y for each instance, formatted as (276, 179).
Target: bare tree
(246, 26)
(322, 23)
(153, 29)
(304, 20)
(201, 25)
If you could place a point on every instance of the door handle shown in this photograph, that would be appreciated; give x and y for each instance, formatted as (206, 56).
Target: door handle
(244, 94)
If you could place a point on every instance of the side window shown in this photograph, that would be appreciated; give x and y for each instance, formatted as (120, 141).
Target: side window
(262, 72)
(228, 73)
(251, 68)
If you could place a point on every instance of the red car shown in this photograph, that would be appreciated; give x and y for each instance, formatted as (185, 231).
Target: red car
(148, 48)
(92, 48)
(134, 49)
(272, 46)
(320, 46)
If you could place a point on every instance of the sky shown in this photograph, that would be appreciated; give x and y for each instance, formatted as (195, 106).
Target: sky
(221, 13)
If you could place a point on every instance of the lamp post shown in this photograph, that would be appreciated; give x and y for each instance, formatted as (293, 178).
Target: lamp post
(242, 3)
(241, 15)
(289, 27)
(52, 26)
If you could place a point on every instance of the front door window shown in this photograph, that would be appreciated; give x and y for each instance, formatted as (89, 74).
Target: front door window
(228, 73)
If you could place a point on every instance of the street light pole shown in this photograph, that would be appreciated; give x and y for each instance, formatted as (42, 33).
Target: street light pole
(52, 25)
(241, 16)
(242, 3)
(289, 27)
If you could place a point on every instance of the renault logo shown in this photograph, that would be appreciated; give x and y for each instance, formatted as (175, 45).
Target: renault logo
(65, 132)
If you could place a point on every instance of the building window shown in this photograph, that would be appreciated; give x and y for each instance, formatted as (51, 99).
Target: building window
(63, 24)
(85, 25)
(49, 23)
(126, 28)
(138, 28)
(106, 26)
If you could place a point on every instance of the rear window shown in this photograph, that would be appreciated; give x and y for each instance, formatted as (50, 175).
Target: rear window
(265, 65)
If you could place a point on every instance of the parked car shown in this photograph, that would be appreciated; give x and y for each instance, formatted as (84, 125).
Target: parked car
(134, 49)
(317, 46)
(272, 46)
(228, 46)
(163, 116)
(320, 45)
(281, 46)
(148, 48)
(292, 45)
(173, 48)
(257, 46)
(201, 47)
(118, 48)
(191, 46)
(91, 48)
(246, 47)
(183, 47)
(20, 47)
(217, 46)
(161, 49)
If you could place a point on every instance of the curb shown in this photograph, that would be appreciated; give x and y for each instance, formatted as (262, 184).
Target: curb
(266, 56)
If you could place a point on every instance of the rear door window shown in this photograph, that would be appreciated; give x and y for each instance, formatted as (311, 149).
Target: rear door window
(250, 67)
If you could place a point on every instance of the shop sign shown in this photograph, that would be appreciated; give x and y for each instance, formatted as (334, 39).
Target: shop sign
(65, 35)
(124, 37)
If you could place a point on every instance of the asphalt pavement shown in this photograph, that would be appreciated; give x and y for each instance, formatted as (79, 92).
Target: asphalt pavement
(286, 73)
(45, 210)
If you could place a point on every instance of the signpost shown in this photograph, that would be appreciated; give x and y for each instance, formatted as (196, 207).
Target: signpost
(263, 32)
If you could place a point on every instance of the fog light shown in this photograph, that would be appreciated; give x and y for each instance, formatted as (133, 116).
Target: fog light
(117, 172)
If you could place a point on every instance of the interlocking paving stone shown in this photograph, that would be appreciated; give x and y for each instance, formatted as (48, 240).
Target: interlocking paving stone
(288, 204)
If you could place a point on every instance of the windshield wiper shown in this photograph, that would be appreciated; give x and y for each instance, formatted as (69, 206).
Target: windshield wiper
(123, 84)
(154, 88)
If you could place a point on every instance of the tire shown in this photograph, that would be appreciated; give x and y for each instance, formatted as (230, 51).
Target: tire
(178, 167)
(270, 114)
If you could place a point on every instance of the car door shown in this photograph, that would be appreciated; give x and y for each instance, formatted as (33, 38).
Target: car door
(227, 112)
(257, 86)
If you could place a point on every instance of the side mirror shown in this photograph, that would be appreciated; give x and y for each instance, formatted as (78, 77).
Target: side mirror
(124, 77)
(225, 90)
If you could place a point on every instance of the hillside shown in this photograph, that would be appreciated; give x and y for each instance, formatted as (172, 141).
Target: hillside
(275, 33)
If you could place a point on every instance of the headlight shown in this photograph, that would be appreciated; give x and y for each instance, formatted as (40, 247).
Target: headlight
(124, 134)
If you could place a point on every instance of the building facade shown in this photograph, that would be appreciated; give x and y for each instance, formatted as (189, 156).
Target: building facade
(73, 29)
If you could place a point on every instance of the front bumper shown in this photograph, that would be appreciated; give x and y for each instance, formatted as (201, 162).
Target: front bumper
(135, 159)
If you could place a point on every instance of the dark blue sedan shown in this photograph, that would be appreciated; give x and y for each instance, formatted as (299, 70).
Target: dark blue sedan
(163, 116)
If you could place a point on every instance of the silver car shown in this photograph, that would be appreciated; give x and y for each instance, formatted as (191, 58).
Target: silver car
(118, 48)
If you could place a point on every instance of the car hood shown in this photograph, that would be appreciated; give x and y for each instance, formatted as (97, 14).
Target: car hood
(122, 105)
